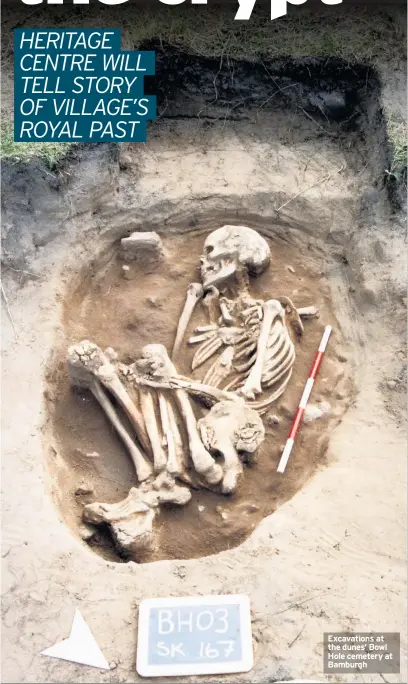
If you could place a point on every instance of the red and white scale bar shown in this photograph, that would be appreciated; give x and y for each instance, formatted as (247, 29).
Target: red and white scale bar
(303, 402)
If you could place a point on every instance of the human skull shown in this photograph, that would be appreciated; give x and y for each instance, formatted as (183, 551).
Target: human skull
(228, 248)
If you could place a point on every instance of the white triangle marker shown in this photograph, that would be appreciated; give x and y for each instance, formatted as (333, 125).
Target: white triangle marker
(80, 647)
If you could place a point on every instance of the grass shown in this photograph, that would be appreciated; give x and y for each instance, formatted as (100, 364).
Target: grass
(397, 131)
(50, 153)
(358, 35)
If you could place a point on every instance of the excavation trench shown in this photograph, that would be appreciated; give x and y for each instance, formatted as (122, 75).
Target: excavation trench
(143, 308)
(280, 147)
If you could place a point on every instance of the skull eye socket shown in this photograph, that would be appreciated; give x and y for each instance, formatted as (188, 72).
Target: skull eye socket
(209, 249)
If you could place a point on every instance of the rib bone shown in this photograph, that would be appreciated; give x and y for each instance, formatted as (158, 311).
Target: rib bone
(220, 369)
(195, 292)
(252, 385)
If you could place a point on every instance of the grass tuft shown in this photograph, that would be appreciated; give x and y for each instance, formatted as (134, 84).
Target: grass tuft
(357, 35)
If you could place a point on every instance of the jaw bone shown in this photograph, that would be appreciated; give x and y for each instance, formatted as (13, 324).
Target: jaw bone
(82, 378)
(230, 428)
(195, 292)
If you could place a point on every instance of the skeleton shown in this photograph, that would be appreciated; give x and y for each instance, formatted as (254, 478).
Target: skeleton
(255, 354)
(257, 351)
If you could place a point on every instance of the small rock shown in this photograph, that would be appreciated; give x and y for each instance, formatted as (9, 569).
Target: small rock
(391, 384)
(113, 665)
(125, 161)
(252, 508)
(272, 419)
(87, 454)
(155, 302)
(86, 532)
(313, 412)
(143, 247)
(221, 512)
(84, 489)
(180, 572)
(342, 358)
(201, 508)
(291, 269)
(285, 411)
(127, 273)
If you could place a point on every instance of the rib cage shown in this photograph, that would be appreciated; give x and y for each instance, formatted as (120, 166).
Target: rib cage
(277, 367)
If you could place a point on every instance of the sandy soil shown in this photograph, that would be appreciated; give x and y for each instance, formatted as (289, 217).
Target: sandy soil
(333, 555)
(121, 313)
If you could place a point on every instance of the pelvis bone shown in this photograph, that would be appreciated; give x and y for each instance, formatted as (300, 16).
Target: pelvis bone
(229, 429)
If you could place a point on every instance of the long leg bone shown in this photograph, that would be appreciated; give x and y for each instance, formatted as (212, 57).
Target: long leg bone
(195, 292)
(148, 409)
(81, 375)
(204, 463)
(179, 452)
(155, 363)
(272, 309)
(86, 358)
(174, 466)
(142, 466)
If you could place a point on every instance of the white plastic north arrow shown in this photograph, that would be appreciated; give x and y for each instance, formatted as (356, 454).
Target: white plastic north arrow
(80, 647)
